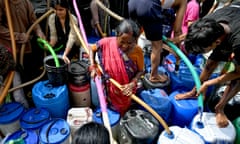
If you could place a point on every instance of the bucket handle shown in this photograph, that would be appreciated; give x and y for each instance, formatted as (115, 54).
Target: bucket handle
(49, 95)
(48, 129)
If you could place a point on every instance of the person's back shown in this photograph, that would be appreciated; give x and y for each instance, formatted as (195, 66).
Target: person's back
(91, 133)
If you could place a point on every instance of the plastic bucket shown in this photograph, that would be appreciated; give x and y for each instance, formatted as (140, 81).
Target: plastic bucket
(10, 114)
(78, 73)
(80, 95)
(56, 131)
(28, 136)
(34, 119)
(56, 75)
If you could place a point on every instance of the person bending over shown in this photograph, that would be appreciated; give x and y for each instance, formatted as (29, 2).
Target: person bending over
(219, 32)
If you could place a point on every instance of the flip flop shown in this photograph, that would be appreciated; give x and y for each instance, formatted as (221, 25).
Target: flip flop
(159, 79)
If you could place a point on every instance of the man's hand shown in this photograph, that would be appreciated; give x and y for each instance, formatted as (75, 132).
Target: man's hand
(21, 38)
(66, 60)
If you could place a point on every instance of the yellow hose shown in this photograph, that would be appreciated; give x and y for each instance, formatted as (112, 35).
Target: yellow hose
(29, 82)
(9, 78)
(134, 97)
(6, 86)
(101, 5)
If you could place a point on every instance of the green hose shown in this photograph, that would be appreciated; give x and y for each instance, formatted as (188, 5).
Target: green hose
(44, 42)
(192, 70)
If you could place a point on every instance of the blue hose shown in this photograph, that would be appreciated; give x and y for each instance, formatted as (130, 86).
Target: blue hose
(192, 70)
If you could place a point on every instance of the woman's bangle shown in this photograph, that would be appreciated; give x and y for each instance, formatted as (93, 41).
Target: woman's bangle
(134, 81)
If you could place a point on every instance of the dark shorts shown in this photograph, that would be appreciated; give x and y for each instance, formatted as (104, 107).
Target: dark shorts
(148, 14)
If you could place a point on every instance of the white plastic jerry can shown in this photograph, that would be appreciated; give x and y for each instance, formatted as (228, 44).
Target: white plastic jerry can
(179, 136)
(208, 129)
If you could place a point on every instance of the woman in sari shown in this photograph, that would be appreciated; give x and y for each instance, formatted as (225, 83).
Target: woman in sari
(122, 60)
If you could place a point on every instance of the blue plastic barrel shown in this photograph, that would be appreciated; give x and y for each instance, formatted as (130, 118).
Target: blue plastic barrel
(54, 99)
(183, 79)
(34, 118)
(114, 119)
(183, 110)
(56, 131)
(28, 136)
(158, 99)
(10, 114)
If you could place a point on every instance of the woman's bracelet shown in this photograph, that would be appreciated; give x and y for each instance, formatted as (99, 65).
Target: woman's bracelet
(135, 82)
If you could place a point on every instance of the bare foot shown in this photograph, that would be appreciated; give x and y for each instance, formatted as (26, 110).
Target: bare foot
(158, 79)
(221, 119)
(186, 95)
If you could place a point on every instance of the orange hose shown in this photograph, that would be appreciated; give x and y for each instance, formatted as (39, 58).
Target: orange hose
(6, 86)
(9, 79)
(101, 5)
(10, 25)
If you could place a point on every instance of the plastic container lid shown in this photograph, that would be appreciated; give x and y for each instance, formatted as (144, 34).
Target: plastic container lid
(78, 67)
(55, 131)
(29, 136)
(114, 117)
(34, 118)
(10, 112)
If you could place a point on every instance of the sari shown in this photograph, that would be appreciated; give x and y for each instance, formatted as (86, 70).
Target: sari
(118, 66)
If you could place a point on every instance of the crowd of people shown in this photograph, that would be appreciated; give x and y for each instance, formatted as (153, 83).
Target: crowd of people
(214, 30)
